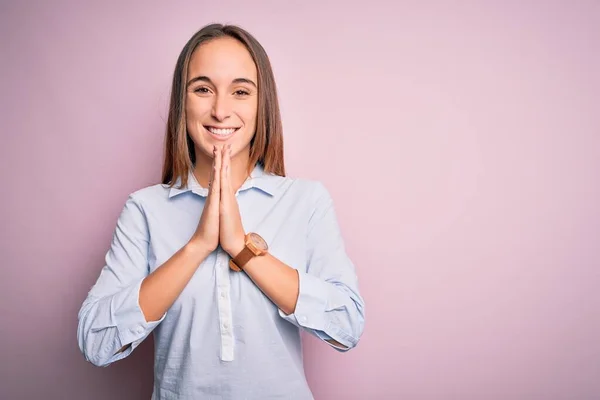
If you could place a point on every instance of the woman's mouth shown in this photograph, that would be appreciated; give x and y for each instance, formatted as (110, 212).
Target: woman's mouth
(221, 133)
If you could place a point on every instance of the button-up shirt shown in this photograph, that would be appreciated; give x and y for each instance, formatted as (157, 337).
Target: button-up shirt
(223, 338)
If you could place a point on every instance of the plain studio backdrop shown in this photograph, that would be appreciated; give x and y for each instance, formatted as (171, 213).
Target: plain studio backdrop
(460, 142)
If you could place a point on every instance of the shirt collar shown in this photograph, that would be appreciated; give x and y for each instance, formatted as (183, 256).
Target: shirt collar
(259, 179)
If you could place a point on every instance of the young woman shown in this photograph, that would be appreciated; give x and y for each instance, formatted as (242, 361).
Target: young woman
(228, 259)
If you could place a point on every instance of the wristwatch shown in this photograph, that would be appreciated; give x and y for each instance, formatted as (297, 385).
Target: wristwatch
(255, 246)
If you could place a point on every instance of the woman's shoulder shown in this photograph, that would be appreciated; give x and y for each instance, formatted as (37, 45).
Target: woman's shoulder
(315, 190)
(150, 193)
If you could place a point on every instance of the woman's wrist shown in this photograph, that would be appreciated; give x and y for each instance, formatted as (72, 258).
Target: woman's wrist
(196, 250)
(236, 247)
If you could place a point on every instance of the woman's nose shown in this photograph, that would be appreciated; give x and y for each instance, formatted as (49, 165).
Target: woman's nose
(221, 108)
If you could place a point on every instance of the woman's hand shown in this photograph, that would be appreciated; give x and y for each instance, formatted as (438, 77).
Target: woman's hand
(231, 232)
(206, 236)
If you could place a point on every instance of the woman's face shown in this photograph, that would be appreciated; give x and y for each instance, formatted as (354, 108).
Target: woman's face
(222, 97)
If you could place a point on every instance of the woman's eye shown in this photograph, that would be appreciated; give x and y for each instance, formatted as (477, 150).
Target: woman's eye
(241, 93)
(201, 90)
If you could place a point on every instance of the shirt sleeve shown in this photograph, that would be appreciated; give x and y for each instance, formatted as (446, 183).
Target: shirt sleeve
(110, 316)
(329, 304)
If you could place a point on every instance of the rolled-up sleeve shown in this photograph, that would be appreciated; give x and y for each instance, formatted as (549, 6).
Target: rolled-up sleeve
(329, 303)
(110, 316)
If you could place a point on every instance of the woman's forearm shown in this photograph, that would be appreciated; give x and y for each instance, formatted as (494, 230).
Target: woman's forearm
(277, 280)
(160, 289)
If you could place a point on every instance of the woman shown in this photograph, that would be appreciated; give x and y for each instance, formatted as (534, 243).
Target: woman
(228, 259)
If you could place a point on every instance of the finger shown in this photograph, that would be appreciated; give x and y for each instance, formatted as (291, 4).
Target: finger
(212, 169)
(215, 189)
(224, 170)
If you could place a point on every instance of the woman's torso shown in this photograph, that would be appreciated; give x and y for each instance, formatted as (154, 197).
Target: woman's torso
(223, 338)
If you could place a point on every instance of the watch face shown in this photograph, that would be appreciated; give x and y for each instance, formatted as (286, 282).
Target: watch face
(258, 242)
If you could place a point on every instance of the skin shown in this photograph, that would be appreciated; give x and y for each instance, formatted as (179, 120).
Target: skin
(221, 92)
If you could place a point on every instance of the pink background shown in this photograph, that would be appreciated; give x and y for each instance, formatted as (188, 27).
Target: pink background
(461, 143)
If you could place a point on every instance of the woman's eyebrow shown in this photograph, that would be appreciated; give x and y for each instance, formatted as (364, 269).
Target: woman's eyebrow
(207, 79)
(244, 80)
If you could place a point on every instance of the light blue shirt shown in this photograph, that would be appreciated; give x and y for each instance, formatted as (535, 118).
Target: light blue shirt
(223, 338)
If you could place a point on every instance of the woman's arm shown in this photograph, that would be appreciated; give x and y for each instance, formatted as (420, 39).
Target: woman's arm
(279, 282)
(160, 289)
(126, 303)
(324, 299)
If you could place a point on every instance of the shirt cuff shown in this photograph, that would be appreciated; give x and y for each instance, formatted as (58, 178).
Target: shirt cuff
(310, 312)
(131, 324)
(311, 303)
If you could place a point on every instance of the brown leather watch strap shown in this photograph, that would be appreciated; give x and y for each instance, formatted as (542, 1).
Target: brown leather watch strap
(241, 259)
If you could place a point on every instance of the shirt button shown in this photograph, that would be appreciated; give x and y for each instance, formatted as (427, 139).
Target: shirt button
(223, 295)
(225, 326)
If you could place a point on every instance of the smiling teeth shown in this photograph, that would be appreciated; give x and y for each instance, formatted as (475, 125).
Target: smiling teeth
(222, 132)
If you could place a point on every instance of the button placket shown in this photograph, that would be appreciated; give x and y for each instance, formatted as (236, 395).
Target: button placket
(224, 306)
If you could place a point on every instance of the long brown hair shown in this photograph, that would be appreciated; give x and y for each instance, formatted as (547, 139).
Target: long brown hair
(266, 146)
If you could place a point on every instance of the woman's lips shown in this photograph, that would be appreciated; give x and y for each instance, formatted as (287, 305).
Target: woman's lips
(221, 134)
